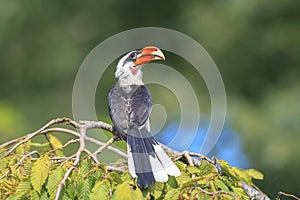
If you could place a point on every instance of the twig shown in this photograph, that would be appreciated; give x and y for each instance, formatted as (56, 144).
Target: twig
(99, 124)
(192, 161)
(10, 142)
(188, 157)
(97, 142)
(29, 136)
(20, 161)
(218, 193)
(77, 159)
(111, 168)
(109, 142)
(287, 195)
(69, 142)
(92, 156)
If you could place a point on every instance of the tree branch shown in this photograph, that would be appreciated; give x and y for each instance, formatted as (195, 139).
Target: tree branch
(287, 195)
(82, 127)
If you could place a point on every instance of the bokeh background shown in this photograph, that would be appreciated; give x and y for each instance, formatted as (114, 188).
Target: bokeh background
(255, 45)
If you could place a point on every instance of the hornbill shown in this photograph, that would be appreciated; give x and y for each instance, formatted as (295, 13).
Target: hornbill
(130, 106)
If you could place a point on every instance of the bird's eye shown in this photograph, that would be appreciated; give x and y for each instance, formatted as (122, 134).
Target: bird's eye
(133, 56)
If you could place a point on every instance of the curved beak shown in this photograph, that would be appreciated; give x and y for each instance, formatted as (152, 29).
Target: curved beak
(149, 54)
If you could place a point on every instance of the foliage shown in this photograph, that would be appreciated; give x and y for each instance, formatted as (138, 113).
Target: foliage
(255, 44)
(34, 175)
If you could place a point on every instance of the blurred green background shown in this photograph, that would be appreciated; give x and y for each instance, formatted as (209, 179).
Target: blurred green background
(255, 44)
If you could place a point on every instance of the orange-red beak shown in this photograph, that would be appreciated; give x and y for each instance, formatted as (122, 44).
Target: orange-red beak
(149, 54)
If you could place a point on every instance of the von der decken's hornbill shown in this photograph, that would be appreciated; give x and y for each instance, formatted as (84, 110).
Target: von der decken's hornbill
(130, 106)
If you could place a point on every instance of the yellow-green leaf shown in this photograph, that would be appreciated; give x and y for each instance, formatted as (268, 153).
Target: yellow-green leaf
(126, 191)
(39, 172)
(54, 178)
(183, 178)
(172, 183)
(181, 166)
(22, 189)
(55, 143)
(255, 174)
(172, 194)
(221, 185)
(242, 175)
(84, 189)
(100, 190)
(158, 189)
(193, 170)
(206, 168)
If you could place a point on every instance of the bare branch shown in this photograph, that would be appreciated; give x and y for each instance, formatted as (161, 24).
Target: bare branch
(77, 159)
(29, 136)
(287, 195)
(188, 155)
(99, 124)
(94, 157)
(89, 139)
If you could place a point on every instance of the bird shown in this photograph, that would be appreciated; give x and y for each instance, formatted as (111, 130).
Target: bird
(130, 105)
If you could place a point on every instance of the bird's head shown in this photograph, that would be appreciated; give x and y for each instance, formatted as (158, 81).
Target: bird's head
(129, 66)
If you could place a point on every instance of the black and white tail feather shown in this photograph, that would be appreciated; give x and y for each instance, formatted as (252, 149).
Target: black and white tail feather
(147, 160)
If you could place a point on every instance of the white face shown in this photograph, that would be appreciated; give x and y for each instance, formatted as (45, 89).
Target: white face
(129, 67)
(126, 65)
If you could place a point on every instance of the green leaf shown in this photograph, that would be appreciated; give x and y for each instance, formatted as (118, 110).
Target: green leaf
(255, 174)
(182, 167)
(4, 162)
(155, 190)
(204, 196)
(70, 190)
(56, 144)
(66, 197)
(44, 195)
(193, 170)
(100, 191)
(115, 177)
(172, 183)
(126, 191)
(239, 192)
(183, 178)
(85, 167)
(34, 195)
(206, 168)
(158, 189)
(172, 194)
(221, 185)
(39, 172)
(54, 178)
(242, 175)
(22, 189)
(84, 189)
(126, 176)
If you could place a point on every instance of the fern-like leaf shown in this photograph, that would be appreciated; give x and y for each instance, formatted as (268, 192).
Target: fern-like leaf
(39, 172)
(84, 189)
(54, 178)
(100, 191)
(22, 189)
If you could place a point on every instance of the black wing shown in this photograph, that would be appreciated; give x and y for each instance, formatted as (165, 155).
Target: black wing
(129, 106)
